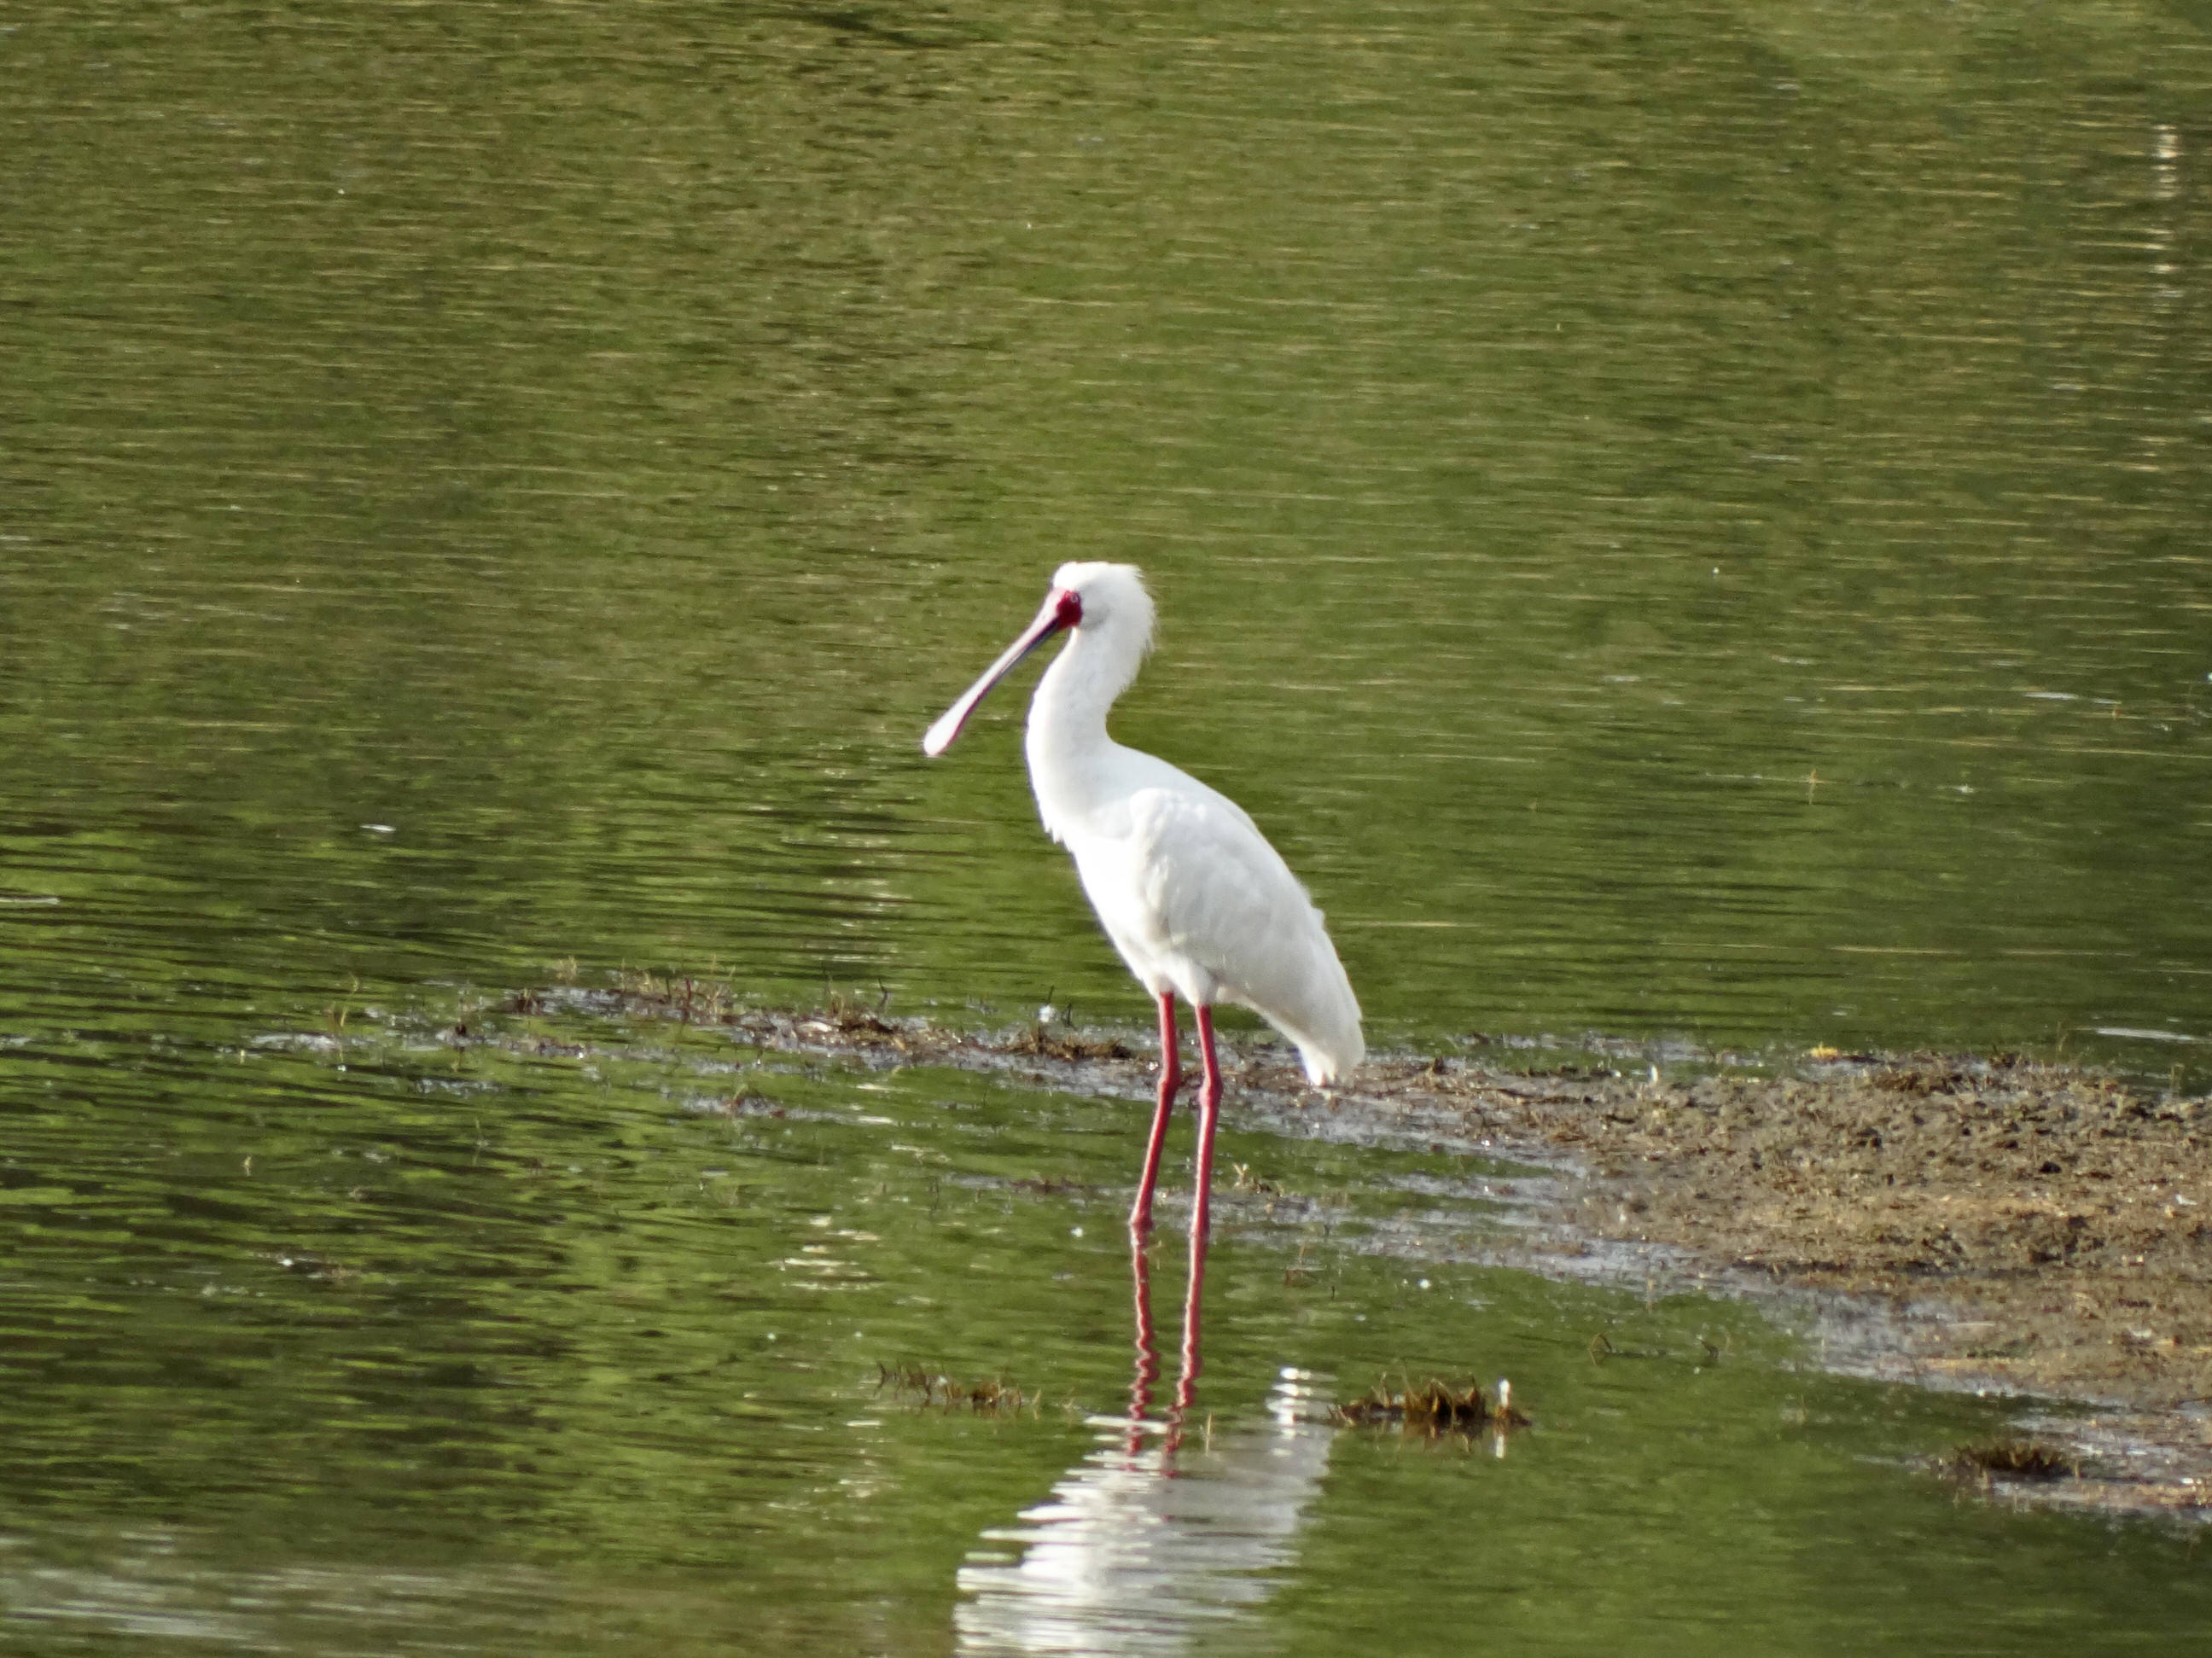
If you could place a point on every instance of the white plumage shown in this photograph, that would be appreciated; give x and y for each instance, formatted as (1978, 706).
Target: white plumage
(1186, 887)
(1188, 890)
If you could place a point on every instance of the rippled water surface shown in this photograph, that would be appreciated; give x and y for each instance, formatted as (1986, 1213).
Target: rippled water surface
(398, 1341)
(1685, 523)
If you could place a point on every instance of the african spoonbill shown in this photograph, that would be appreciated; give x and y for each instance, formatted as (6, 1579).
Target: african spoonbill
(1194, 898)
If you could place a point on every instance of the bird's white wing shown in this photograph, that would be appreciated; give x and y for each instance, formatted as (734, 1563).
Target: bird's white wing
(1217, 891)
(1193, 893)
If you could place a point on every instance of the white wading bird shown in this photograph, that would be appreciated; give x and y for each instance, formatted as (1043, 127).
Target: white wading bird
(1185, 886)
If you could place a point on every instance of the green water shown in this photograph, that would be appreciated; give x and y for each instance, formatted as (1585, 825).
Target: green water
(501, 1349)
(1684, 523)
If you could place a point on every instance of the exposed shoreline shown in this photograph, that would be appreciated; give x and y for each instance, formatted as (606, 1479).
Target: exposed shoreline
(1991, 1225)
(1999, 1226)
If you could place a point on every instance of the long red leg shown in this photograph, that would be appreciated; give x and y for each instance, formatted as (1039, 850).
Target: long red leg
(1140, 1217)
(1209, 1109)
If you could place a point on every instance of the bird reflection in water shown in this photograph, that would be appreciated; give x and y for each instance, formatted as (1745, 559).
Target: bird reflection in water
(1148, 1352)
(1152, 1540)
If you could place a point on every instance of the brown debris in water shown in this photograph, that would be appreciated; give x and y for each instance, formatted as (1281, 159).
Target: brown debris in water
(1046, 1044)
(1434, 1408)
(850, 1022)
(919, 1385)
(2011, 1459)
(848, 1018)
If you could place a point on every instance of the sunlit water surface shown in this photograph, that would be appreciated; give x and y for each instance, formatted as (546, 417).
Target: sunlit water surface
(1685, 525)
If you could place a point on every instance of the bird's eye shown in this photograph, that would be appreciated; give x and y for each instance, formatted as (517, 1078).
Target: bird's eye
(1069, 612)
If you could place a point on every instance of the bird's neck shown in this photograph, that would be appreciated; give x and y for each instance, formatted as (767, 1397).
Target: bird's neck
(1067, 739)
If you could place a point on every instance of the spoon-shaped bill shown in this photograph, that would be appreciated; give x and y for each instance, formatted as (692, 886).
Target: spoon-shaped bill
(1049, 621)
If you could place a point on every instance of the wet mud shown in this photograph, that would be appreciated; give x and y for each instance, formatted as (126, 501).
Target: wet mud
(1996, 1225)
(1993, 1224)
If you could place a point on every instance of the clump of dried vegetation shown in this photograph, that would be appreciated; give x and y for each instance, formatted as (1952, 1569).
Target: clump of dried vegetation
(1434, 1408)
(916, 1384)
(1041, 1042)
(2009, 1459)
(843, 1020)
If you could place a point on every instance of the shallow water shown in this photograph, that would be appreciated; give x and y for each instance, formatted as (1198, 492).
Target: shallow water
(422, 1344)
(1684, 526)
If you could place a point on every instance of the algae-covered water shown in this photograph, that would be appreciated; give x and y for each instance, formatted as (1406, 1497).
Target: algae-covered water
(1683, 524)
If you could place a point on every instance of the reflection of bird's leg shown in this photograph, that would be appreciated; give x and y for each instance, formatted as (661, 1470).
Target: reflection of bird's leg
(1209, 1110)
(1140, 1217)
(1148, 1352)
